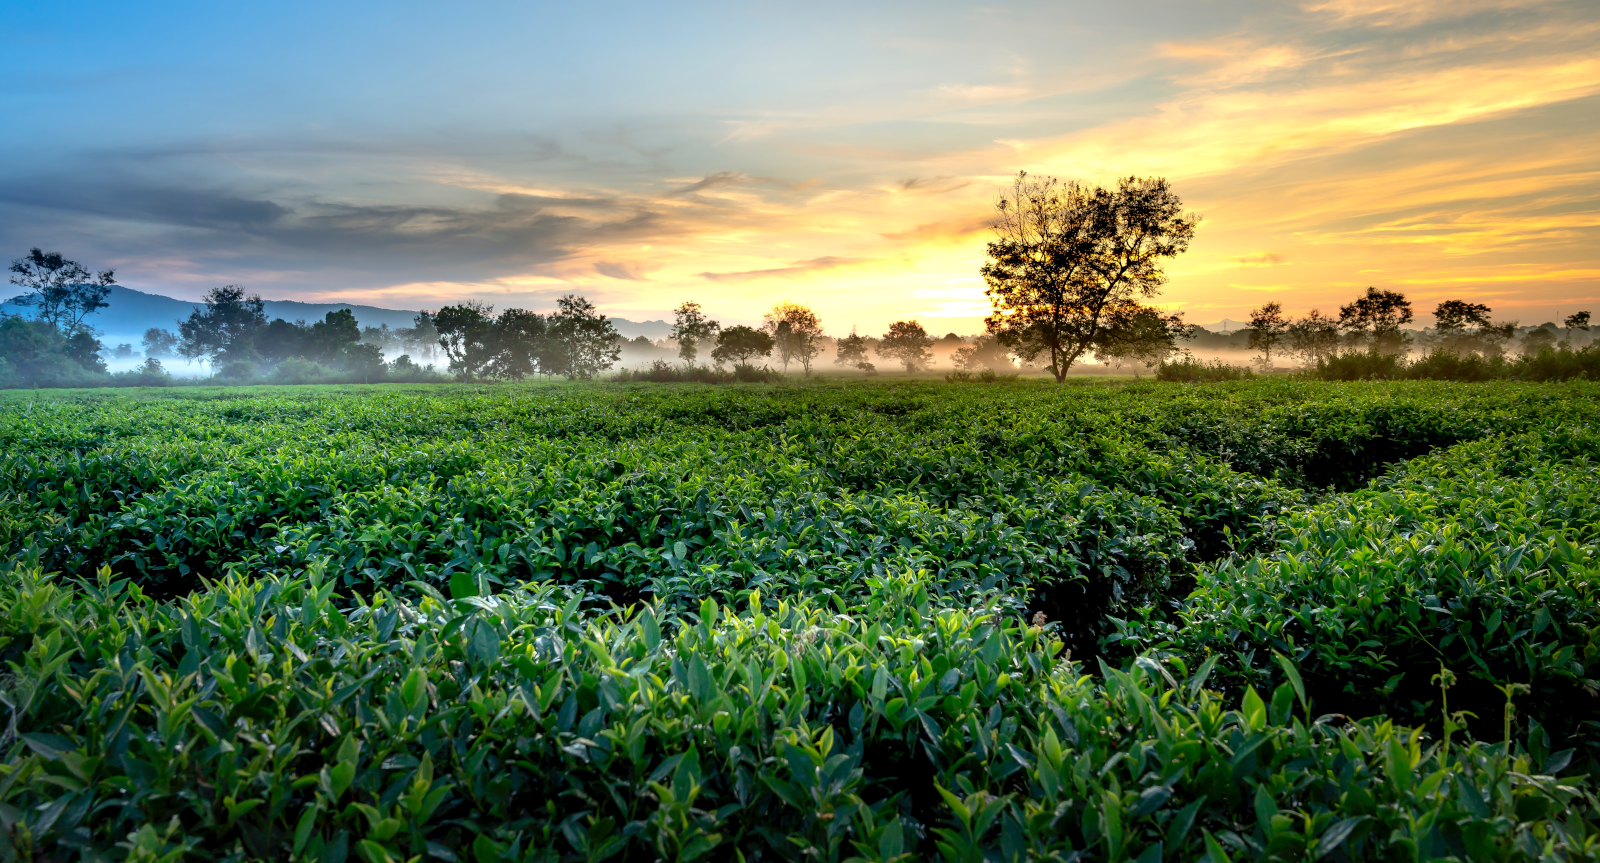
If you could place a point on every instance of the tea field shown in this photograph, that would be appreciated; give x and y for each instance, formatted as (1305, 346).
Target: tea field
(1263, 620)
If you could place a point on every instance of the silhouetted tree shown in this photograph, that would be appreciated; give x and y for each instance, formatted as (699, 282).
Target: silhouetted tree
(795, 329)
(587, 340)
(851, 350)
(1269, 327)
(158, 342)
(739, 345)
(1139, 333)
(63, 291)
(985, 352)
(466, 333)
(1065, 254)
(690, 327)
(1578, 321)
(1374, 321)
(907, 343)
(1460, 327)
(1313, 338)
(521, 345)
(225, 328)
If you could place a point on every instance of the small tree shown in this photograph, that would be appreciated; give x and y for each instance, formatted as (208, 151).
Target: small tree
(1578, 321)
(158, 342)
(1313, 338)
(690, 327)
(587, 340)
(467, 335)
(1139, 333)
(795, 329)
(851, 351)
(225, 328)
(1374, 320)
(1066, 254)
(907, 343)
(422, 336)
(985, 352)
(63, 290)
(520, 345)
(1460, 327)
(1269, 327)
(739, 345)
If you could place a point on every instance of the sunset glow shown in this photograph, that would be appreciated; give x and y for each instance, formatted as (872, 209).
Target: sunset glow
(741, 154)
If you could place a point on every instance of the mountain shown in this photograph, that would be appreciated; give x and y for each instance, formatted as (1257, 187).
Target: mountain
(131, 312)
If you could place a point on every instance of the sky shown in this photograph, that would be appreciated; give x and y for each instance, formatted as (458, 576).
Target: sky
(845, 155)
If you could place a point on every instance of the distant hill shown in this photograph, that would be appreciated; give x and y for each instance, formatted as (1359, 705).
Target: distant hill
(131, 312)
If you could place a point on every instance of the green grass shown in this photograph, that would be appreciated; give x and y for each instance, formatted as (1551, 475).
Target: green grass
(827, 620)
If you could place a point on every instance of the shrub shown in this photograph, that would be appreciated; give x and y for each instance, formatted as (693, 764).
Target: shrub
(1559, 364)
(298, 370)
(1360, 366)
(1482, 559)
(1450, 366)
(1188, 370)
(986, 376)
(262, 720)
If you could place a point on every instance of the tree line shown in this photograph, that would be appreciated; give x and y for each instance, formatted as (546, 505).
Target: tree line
(1372, 325)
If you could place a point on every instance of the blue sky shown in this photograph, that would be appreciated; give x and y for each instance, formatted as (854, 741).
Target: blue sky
(840, 154)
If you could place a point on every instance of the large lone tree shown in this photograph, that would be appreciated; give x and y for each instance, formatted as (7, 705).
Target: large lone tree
(1066, 255)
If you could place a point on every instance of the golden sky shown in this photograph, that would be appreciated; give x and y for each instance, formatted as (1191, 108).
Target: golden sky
(742, 154)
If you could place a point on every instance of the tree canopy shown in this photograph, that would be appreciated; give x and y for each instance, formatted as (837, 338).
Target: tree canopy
(1066, 254)
(739, 345)
(907, 343)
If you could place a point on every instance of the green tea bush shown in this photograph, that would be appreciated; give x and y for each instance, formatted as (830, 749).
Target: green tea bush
(262, 720)
(1189, 370)
(1481, 560)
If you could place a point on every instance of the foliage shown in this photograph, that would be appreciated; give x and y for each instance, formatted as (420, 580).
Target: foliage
(1374, 319)
(907, 343)
(1189, 370)
(796, 333)
(63, 291)
(817, 621)
(663, 372)
(262, 720)
(690, 327)
(741, 344)
(1360, 366)
(1269, 327)
(1066, 254)
(1461, 327)
(851, 351)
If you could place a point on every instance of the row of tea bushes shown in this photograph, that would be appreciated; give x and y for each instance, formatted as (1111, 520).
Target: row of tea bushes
(1483, 560)
(260, 720)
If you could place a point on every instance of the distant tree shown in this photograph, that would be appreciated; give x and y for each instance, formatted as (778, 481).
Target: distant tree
(329, 339)
(35, 352)
(1314, 337)
(225, 328)
(422, 337)
(381, 336)
(1269, 327)
(851, 351)
(690, 327)
(907, 343)
(795, 330)
(587, 340)
(63, 291)
(985, 352)
(123, 351)
(1138, 333)
(521, 345)
(1374, 321)
(1538, 339)
(467, 335)
(1579, 321)
(739, 345)
(158, 342)
(1460, 327)
(1065, 254)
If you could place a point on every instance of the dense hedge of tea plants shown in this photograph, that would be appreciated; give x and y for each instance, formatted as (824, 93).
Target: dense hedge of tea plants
(827, 622)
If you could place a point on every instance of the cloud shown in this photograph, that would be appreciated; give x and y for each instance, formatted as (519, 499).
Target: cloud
(944, 232)
(619, 270)
(1259, 259)
(798, 268)
(1407, 13)
(710, 181)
